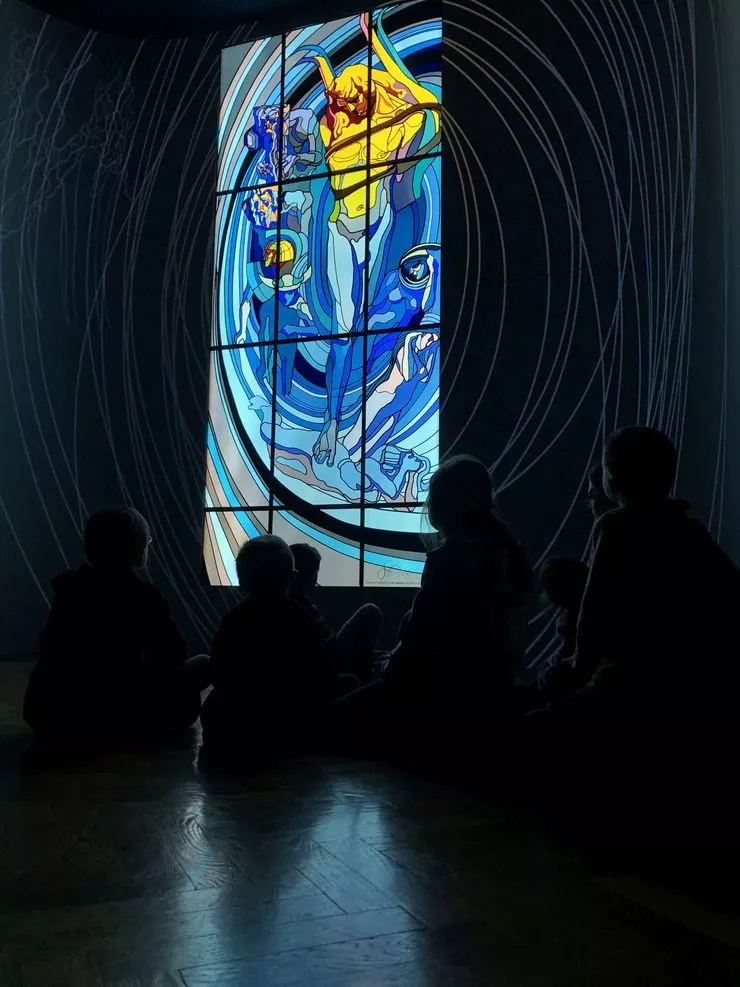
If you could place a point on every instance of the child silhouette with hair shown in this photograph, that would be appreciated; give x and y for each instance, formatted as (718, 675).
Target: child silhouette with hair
(272, 675)
(354, 645)
(112, 660)
(463, 641)
(563, 582)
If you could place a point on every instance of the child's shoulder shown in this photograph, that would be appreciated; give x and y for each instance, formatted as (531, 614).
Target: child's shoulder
(86, 590)
(617, 521)
(139, 591)
(267, 608)
(291, 610)
(472, 550)
(76, 586)
(71, 580)
(654, 515)
(148, 594)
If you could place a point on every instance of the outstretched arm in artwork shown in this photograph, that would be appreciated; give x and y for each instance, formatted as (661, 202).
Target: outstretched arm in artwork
(391, 61)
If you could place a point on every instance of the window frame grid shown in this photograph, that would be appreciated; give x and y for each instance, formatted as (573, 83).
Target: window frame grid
(280, 184)
(323, 173)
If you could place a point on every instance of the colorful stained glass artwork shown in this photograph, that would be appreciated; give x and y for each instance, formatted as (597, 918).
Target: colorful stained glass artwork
(324, 387)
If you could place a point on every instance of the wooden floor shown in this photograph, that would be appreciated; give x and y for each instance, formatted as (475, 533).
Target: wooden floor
(138, 870)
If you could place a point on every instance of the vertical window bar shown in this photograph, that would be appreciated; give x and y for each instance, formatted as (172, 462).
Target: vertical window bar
(277, 281)
(366, 302)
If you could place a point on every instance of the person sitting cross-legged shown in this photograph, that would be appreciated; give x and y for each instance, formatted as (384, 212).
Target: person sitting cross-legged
(112, 661)
(658, 613)
(272, 673)
(462, 644)
(563, 581)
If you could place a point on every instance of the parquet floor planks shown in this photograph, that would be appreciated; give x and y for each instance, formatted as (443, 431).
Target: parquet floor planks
(138, 870)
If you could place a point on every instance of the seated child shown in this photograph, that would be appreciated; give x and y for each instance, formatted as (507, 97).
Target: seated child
(658, 613)
(271, 672)
(462, 644)
(564, 582)
(355, 644)
(112, 660)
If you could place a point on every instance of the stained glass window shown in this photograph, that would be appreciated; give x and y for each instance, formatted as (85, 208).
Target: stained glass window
(324, 384)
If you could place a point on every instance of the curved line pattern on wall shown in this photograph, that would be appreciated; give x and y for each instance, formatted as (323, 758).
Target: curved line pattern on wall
(107, 171)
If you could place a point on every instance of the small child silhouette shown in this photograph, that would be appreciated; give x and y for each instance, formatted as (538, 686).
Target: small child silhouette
(563, 581)
(271, 671)
(112, 659)
(354, 645)
(462, 643)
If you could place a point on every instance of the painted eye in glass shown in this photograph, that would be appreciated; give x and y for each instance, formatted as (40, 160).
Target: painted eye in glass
(416, 268)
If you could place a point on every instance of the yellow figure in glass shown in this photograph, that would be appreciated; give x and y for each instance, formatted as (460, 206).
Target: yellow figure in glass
(374, 118)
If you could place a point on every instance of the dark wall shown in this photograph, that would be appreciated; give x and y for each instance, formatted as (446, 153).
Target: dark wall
(722, 271)
(585, 246)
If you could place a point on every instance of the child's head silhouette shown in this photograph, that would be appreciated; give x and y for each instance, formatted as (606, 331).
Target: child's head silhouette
(460, 495)
(639, 464)
(307, 561)
(117, 539)
(564, 581)
(264, 566)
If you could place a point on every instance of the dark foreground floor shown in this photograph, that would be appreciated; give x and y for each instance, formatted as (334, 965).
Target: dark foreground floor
(133, 870)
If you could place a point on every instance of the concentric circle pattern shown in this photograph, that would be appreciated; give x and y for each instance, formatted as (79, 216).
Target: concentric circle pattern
(569, 199)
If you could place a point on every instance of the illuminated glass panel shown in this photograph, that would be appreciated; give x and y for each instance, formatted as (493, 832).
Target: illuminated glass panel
(324, 384)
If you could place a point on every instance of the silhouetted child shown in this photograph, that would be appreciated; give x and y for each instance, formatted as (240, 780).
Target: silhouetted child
(658, 614)
(271, 673)
(112, 660)
(354, 645)
(563, 582)
(462, 644)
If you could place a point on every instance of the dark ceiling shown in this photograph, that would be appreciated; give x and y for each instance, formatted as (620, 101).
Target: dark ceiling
(166, 18)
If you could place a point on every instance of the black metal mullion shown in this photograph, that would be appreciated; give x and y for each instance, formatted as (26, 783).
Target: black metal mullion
(431, 327)
(366, 293)
(359, 169)
(312, 507)
(367, 170)
(277, 282)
